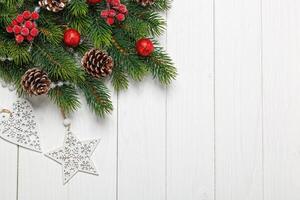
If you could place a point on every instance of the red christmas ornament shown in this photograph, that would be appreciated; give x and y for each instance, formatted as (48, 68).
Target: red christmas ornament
(144, 47)
(93, 2)
(72, 38)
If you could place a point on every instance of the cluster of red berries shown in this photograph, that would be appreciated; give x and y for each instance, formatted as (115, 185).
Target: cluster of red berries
(23, 26)
(115, 11)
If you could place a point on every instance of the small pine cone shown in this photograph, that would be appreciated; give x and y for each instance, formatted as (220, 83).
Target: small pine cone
(97, 63)
(36, 82)
(145, 2)
(53, 5)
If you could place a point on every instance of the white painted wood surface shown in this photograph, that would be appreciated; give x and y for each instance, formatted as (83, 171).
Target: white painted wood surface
(227, 129)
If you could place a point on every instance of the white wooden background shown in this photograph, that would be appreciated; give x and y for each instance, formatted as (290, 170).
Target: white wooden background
(227, 129)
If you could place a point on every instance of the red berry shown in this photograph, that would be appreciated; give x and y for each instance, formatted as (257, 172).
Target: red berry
(26, 14)
(115, 2)
(110, 21)
(29, 38)
(25, 31)
(19, 38)
(9, 29)
(17, 29)
(35, 16)
(72, 37)
(144, 47)
(120, 17)
(28, 24)
(14, 22)
(20, 19)
(34, 32)
(93, 2)
(104, 13)
(112, 13)
(123, 9)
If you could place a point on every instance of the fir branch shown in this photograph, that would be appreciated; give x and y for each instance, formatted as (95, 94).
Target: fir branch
(49, 31)
(97, 96)
(19, 53)
(99, 32)
(136, 27)
(127, 59)
(159, 5)
(77, 8)
(11, 73)
(76, 15)
(65, 97)
(161, 66)
(153, 20)
(12, 3)
(59, 64)
(119, 79)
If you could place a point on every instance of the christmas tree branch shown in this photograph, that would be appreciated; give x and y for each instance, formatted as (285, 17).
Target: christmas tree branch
(66, 97)
(97, 96)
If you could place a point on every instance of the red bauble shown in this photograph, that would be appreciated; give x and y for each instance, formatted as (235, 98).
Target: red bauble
(93, 2)
(72, 38)
(144, 47)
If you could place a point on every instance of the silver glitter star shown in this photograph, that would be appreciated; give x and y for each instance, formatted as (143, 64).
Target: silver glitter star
(75, 156)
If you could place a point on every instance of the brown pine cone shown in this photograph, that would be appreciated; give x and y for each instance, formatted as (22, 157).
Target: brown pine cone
(97, 63)
(145, 2)
(35, 82)
(53, 5)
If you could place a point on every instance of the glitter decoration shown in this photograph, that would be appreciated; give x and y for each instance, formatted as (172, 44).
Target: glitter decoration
(75, 156)
(20, 127)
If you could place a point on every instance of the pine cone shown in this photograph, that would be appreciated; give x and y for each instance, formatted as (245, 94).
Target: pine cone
(145, 2)
(97, 63)
(53, 5)
(36, 82)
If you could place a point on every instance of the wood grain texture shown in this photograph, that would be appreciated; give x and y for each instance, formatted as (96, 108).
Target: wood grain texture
(8, 155)
(281, 61)
(41, 177)
(142, 140)
(227, 129)
(190, 102)
(238, 100)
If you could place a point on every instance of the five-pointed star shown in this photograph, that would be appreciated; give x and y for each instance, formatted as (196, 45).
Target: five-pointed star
(75, 156)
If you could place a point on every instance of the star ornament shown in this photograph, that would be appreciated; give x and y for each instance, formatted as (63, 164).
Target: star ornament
(75, 156)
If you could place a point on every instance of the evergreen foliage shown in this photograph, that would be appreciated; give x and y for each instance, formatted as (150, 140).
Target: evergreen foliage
(49, 53)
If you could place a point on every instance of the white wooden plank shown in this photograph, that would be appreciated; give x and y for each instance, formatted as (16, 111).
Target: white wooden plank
(40, 177)
(190, 103)
(142, 143)
(8, 155)
(238, 108)
(141, 140)
(87, 126)
(281, 64)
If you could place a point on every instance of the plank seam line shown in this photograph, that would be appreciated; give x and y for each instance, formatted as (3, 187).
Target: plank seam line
(262, 101)
(117, 151)
(166, 122)
(17, 189)
(214, 103)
